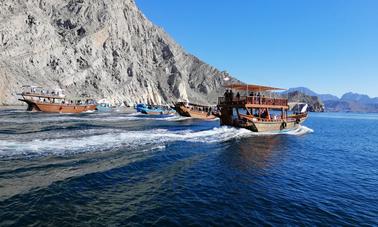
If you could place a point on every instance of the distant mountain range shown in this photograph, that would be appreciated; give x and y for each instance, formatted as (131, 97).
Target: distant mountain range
(349, 102)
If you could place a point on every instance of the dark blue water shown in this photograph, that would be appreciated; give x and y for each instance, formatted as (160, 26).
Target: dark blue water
(118, 169)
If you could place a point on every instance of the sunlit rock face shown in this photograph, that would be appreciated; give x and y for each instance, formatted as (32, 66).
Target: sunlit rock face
(99, 49)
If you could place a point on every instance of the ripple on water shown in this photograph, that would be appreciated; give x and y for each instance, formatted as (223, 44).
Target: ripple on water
(117, 169)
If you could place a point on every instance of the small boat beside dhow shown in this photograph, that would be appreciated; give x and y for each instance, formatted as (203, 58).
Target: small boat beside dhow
(256, 111)
(39, 99)
(197, 111)
(155, 109)
(104, 105)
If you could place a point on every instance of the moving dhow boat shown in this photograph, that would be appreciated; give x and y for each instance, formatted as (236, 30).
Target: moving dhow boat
(39, 99)
(255, 111)
(187, 109)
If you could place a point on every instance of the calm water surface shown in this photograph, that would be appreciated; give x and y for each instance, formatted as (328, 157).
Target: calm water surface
(117, 169)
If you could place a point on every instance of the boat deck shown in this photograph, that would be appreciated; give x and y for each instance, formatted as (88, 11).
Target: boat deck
(253, 102)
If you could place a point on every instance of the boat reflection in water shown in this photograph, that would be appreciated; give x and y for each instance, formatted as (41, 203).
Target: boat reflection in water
(255, 153)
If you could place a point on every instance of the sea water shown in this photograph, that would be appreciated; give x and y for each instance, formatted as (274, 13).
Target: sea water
(131, 169)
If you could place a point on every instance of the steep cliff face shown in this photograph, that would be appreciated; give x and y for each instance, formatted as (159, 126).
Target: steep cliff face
(100, 49)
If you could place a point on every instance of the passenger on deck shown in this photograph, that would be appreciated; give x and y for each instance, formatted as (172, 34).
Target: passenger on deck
(226, 95)
(231, 96)
(264, 114)
(251, 94)
(238, 96)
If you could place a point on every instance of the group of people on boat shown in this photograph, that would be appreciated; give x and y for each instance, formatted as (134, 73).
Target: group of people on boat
(229, 96)
(41, 91)
(65, 102)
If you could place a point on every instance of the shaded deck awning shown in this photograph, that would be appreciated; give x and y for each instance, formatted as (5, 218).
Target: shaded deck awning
(252, 87)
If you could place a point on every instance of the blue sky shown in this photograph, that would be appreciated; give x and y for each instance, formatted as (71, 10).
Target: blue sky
(330, 46)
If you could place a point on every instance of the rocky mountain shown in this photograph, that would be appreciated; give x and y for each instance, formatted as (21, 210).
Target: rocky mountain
(100, 49)
(315, 104)
(350, 106)
(353, 102)
(309, 92)
(349, 102)
(302, 90)
(355, 97)
(328, 97)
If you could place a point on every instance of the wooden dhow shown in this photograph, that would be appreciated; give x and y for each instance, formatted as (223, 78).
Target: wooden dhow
(39, 99)
(257, 112)
(197, 111)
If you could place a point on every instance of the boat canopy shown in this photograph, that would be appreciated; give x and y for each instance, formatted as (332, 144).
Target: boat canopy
(252, 87)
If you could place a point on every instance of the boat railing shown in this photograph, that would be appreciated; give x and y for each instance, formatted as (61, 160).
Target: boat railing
(42, 94)
(256, 100)
(50, 100)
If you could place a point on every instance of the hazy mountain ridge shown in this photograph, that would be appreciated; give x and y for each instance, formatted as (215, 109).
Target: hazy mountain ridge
(100, 49)
(349, 102)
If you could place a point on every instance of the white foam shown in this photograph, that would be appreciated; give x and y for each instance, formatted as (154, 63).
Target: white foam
(116, 139)
(95, 117)
(301, 130)
(90, 140)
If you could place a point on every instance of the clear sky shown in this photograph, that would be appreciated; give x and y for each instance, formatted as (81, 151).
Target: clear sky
(329, 46)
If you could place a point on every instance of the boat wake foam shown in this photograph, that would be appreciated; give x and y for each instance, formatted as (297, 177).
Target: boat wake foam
(89, 140)
(301, 130)
(79, 141)
(94, 117)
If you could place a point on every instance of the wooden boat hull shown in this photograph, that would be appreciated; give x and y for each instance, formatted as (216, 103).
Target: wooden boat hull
(255, 125)
(152, 112)
(275, 126)
(187, 112)
(57, 108)
(156, 112)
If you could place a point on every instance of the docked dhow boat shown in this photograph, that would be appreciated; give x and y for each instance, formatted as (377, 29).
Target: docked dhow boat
(39, 99)
(187, 109)
(257, 110)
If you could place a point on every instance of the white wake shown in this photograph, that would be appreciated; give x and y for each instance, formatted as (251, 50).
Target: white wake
(100, 140)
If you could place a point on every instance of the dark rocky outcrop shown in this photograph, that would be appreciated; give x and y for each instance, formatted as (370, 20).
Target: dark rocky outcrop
(314, 103)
